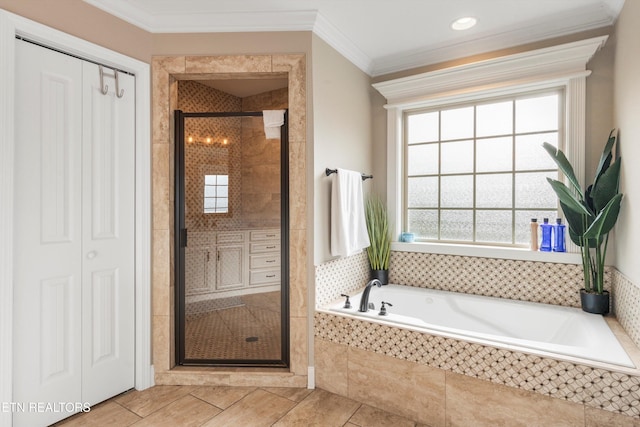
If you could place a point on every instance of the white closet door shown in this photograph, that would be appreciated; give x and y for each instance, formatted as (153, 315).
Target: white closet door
(74, 239)
(108, 236)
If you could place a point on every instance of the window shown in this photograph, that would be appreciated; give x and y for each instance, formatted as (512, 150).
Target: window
(476, 172)
(216, 193)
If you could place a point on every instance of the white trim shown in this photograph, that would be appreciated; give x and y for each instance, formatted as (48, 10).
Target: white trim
(561, 66)
(311, 377)
(7, 67)
(553, 63)
(10, 26)
(324, 29)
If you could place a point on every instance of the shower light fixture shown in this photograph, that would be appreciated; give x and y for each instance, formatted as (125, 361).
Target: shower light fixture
(463, 23)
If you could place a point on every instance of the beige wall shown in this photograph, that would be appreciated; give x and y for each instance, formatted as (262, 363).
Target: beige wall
(627, 114)
(342, 131)
(82, 20)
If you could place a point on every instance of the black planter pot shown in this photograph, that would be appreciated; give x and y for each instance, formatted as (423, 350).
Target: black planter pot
(594, 303)
(382, 275)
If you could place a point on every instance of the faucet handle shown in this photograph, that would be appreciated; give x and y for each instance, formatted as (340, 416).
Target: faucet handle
(347, 303)
(383, 309)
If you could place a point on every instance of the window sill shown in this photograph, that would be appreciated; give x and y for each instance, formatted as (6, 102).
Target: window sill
(488, 252)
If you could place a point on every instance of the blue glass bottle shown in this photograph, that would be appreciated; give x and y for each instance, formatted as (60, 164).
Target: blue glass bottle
(558, 236)
(546, 228)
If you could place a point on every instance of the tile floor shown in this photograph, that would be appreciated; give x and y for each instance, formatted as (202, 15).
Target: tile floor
(178, 406)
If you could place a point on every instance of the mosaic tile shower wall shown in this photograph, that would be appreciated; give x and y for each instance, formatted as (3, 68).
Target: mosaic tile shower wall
(251, 162)
(213, 157)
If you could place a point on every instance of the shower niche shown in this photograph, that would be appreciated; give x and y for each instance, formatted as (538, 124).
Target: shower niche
(231, 231)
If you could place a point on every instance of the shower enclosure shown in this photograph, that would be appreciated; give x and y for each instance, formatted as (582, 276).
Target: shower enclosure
(231, 241)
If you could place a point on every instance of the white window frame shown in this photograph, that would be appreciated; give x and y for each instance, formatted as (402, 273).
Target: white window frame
(562, 66)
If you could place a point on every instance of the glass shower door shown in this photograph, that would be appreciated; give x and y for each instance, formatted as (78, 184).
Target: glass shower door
(232, 245)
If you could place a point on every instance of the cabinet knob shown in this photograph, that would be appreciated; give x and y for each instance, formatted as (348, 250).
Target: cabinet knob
(91, 255)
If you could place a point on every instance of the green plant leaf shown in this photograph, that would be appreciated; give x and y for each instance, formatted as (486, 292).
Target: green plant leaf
(379, 237)
(564, 165)
(606, 219)
(606, 187)
(605, 157)
(567, 198)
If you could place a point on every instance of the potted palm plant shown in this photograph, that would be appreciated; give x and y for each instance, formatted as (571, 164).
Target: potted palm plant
(590, 214)
(378, 229)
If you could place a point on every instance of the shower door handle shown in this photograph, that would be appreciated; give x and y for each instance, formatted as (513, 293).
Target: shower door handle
(183, 237)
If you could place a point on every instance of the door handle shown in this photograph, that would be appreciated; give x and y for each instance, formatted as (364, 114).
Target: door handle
(91, 255)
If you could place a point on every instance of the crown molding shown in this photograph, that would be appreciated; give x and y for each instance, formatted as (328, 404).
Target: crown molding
(210, 22)
(337, 40)
(555, 62)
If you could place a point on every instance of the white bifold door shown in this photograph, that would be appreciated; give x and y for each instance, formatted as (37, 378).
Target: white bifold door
(73, 238)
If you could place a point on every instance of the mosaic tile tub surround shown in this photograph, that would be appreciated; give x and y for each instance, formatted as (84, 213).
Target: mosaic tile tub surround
(545, 282)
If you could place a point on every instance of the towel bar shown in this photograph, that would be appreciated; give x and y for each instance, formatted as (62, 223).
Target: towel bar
(328, 172)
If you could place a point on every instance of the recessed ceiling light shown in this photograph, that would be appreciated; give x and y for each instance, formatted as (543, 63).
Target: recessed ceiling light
(463, 23)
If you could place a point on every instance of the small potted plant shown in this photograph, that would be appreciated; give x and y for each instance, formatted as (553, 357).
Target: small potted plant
(590, 215)
(378, 229)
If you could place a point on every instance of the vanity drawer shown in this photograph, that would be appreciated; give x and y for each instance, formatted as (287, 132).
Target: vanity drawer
(256, 248)
(264, 277)
(265, 235)
(264, 261)
(230, 237)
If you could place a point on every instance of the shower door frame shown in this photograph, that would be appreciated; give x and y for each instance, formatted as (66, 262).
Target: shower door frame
(180, 242)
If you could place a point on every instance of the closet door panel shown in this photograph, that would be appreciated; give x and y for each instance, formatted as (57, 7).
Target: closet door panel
(47, 233)
(108, 241)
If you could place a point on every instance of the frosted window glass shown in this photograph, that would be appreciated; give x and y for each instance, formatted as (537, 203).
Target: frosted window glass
(210, 191)
(210, 179)
(494, 191)
(223, 179)
(494, 119)
(537, 114)
(457, 157)
(422, 159)
(422, 127)
(523, 221)
(457, 123)
(529, 152)
(494, 154)
(456, 225)
(223, 191)
(493, 226)
(457, 191)
(423, 223)
(423, 192)
(533, 190)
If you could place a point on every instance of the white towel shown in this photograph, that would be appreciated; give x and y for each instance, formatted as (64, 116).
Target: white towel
(348, 225)
(273, 119)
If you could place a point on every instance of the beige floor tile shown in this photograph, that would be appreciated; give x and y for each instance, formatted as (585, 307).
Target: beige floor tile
(257, 409)
(104, 414)
(478, 403)
(291, 393)
(222, 397)
(188, 411)
(598, 417)
(320, 408)
(150, 400)
(368, 416)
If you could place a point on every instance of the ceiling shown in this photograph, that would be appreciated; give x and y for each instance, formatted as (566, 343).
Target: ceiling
(378, 36)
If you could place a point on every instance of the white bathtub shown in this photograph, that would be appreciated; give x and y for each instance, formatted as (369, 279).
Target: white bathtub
(566, 332)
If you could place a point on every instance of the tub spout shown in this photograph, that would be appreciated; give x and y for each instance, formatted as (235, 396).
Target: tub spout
(364, 301)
